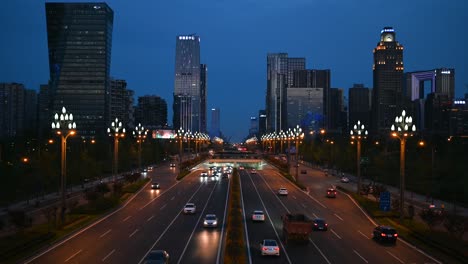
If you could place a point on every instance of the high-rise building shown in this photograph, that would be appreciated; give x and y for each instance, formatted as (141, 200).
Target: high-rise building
(262, 120)
(12, 114)
(30, 112)
(122, 103)
(151, 112)
(316, 79)
(305, 108)
(215, 130)
(203, 90)
(45, 116)
(280, 71)
(337, 114)
(187, 92)
(253, 130)
(359, 105)
(387, 97)
(79, 37)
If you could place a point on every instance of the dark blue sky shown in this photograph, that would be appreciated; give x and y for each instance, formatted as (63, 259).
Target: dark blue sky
(236, 35)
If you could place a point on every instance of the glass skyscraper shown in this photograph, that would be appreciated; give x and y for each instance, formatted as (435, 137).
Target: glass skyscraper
(79, 37)
(187, 92)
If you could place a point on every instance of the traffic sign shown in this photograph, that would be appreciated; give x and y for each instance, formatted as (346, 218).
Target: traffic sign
(385, 201)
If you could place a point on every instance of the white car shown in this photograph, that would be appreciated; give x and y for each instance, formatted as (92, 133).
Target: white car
(344, 179)
(269, 247)
(190, 208)
(283, 191)
(210, 221)
(253, 171)
(204, 174)
(258, 215)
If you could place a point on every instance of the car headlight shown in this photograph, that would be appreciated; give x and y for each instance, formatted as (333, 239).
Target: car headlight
(215, 222)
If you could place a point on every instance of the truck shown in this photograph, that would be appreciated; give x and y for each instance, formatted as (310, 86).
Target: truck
(296, 227)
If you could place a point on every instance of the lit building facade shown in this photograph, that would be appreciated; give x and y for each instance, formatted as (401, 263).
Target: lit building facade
(387, 94)
(305, 108)
(187, 93)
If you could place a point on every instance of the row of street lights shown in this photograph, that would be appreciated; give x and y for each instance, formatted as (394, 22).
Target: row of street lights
(187, 136)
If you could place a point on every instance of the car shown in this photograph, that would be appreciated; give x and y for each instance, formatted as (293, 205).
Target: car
(283, 191)
(385, 234)
(155, 185)
(331, 193)
(269, 247)
(157, 257)
(225, 175)
(320, 224)
(150, 168)
(190, 208)
(253, 171)
(210, 220)
(303, 171)
(344, 179)
(204, 174)
(258, 216)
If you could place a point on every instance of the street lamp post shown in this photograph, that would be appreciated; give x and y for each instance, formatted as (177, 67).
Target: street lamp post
(357, 133)
(116, 130)
(65, 127)
(402, 129)
(140, 134)
(298, 135)
(180, 137)
(189, 136)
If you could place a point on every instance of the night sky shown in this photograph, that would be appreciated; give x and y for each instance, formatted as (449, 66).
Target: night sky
(236, 36)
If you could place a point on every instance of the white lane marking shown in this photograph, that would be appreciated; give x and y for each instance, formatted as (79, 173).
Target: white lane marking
(333, 231)
(363, 234)
(172, 198)
(269, 218)
(134, 232)
(395, 257)
(295, 186)
(141, 208)
(72, 256)
(149, 219)
(108, 255)
(269, 187)
(162, 207)
(360, 208)
(218, 256)
(168, 226)
(315, 216)
(90, 226)
(197, 224)
(107, 232)
(320, 251)
(360, 256)
(127, 218)
(245, 222)
(303, 205)
(339, 217)
(294, 197)
(419, 250)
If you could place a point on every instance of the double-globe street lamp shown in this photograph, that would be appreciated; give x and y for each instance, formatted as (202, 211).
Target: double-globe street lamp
(140, 134)
(402, 129)
(65, 127)
(180, 137)
(117, 131)
(357, 133)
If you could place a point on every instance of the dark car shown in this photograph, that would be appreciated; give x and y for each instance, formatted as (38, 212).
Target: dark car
(155, 185)
(331, 193)
(385, 234)
(303, 171)
(320, 224)
(157, 257)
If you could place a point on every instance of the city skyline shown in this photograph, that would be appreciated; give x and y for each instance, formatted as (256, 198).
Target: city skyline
(241, 34)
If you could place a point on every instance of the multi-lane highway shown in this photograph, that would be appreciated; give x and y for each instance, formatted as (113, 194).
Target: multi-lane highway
(154, 220)
(348, 239)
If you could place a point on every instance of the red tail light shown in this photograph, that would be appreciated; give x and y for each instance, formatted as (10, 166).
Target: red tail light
(383, 234)
(326, 224)
(315, 224)
(276, 248)
(265, 248)
(395, 235)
